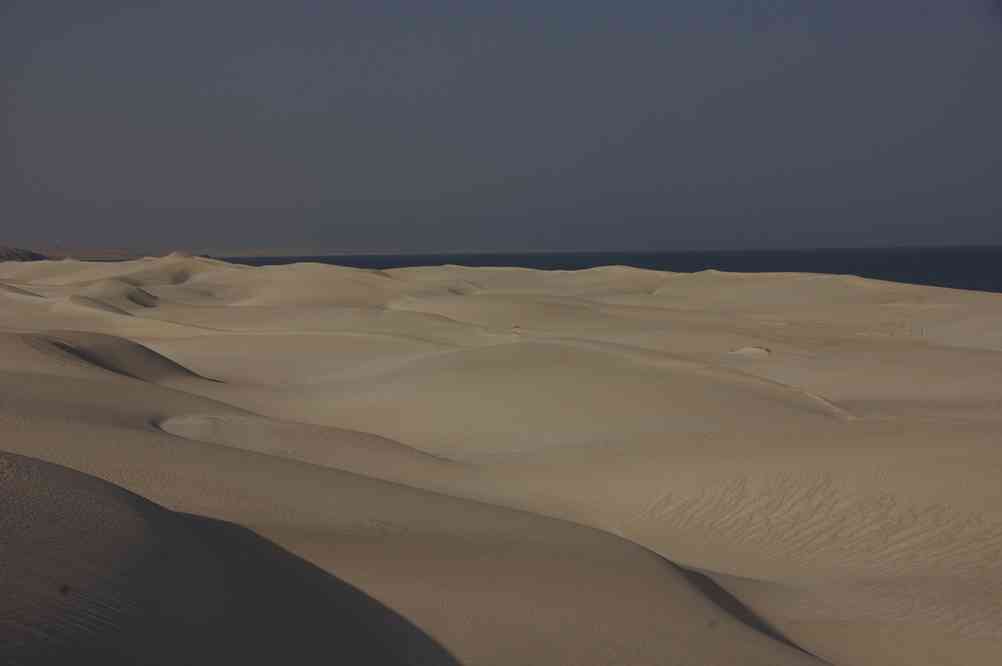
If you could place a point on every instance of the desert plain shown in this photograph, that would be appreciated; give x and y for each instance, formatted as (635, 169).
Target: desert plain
(203, 462)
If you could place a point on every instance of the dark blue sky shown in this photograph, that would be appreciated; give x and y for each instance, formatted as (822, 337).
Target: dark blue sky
(452, 125)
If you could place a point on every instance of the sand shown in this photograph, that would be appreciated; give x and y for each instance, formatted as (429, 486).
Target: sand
(210, 462)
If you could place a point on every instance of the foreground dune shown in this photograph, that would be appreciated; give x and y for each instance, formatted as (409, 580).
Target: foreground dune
(92, 572)
(496, 466)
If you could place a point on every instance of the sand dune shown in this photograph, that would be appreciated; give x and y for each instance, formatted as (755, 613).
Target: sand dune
(118, 355)
(92, 572)
(533, 395)
(119, 293)
(497, 466)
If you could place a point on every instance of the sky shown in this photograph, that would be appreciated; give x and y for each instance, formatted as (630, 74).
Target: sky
(448, 125)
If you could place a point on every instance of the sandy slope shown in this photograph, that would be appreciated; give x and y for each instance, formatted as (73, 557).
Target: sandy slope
(96, 574)
(499, 466)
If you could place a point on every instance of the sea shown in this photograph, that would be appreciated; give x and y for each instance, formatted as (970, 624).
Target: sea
(978, 268)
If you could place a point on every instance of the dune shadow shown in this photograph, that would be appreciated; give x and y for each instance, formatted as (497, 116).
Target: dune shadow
(283, 608)
(733, 606)
(256, 604)
(120, 356)
(92, 573)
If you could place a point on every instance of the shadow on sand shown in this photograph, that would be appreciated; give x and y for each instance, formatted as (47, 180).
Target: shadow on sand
(90, 573)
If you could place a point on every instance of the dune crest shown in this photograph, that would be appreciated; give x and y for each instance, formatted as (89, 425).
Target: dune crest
(114, 354)
(752, 352)
(10, 290)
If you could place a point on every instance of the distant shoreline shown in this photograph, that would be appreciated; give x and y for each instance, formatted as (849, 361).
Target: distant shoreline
(124, 255)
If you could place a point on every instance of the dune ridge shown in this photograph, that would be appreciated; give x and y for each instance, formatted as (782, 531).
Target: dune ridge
(603, 466)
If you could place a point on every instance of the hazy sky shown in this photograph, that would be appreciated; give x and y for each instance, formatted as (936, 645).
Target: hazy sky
(501, 125)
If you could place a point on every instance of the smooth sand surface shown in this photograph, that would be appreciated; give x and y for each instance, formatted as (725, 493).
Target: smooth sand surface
(503, 466)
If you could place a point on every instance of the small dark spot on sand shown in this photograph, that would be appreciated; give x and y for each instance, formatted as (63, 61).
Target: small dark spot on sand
(712, 624)
(65, 590)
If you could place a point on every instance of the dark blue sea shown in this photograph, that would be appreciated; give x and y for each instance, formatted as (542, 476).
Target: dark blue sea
(958, 267)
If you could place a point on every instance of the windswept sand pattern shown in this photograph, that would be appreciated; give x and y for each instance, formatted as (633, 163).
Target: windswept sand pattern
(495, 466)
(814, 521)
